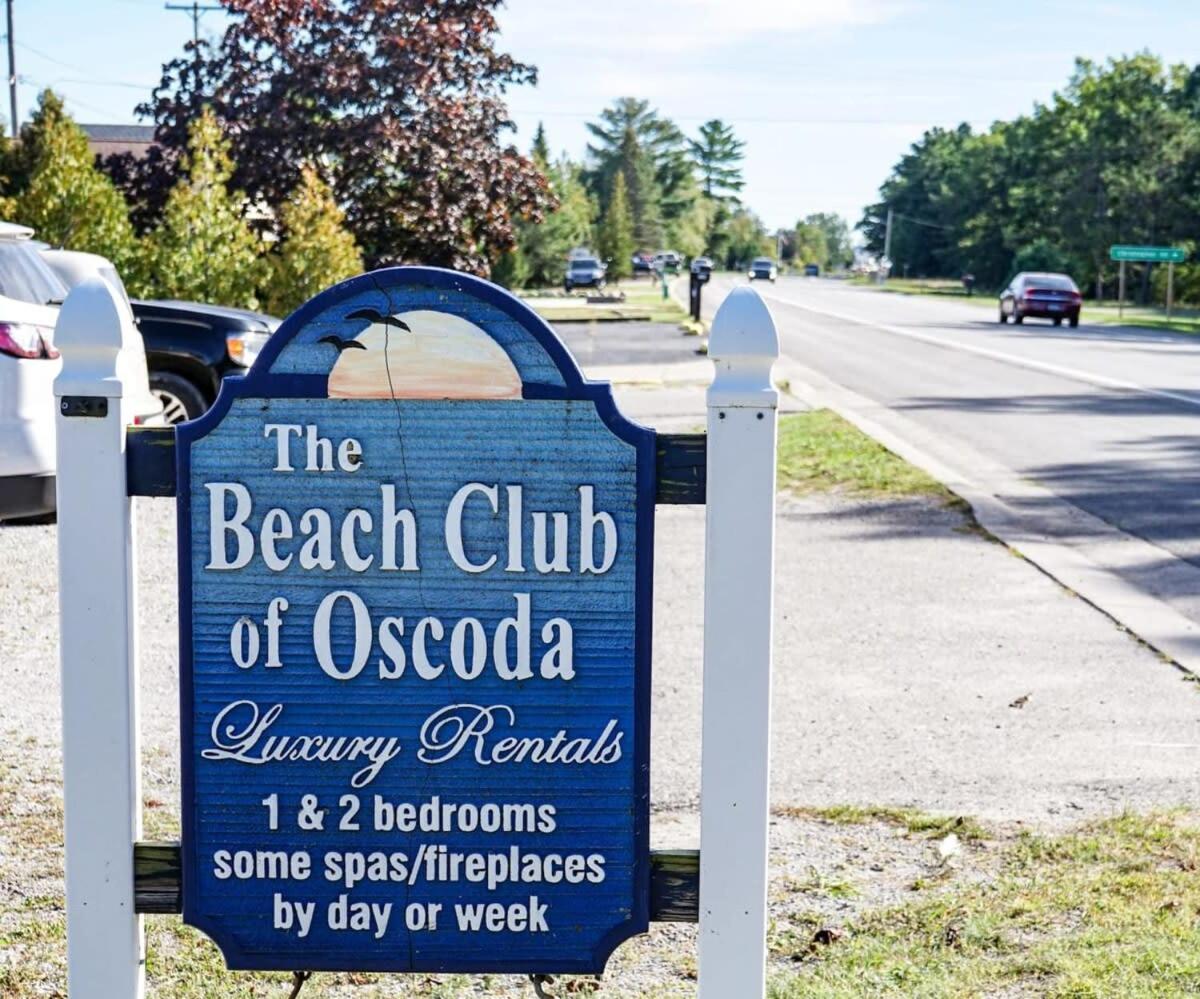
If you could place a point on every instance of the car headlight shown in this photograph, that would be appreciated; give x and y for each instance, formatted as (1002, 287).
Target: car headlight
(244, 348)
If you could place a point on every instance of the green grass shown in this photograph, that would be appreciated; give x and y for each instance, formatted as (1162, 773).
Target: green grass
(911, 819)
(643, 303)
(820, 452)
(1110, 910)
(1181, 321)
(935, 287)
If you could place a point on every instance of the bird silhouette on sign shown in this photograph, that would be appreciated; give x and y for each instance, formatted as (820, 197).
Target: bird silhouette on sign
(341, 344)
(372, 316)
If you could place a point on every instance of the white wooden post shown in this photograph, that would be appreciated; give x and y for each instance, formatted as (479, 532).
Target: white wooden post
(739, 582)
(101, 779)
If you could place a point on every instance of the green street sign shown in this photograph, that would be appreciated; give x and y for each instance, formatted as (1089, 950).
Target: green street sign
(1159, 254)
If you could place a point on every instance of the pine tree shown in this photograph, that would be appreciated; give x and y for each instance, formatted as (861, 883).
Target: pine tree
(718, 156)
(317, 250)
(544, 246)
(61, 194)
(616, 231)
(540, 150)
(204, 250)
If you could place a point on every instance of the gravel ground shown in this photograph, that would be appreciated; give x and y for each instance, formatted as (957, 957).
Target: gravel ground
(918, 664)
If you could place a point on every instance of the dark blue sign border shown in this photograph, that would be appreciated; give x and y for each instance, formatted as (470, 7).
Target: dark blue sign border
(260, 382)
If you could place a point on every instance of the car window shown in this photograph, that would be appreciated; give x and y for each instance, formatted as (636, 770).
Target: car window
(25, 276)
(1055, 282)
(583, 265)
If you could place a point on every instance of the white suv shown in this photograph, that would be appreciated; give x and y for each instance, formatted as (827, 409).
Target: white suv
(30, 296)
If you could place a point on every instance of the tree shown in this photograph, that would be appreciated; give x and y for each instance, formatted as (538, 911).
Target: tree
(650, 151)
(616, 231)
(717, 153)
(1113, 157)
(836, 233)
(747, 239)
(400, 101)
(810, 246)
(544, 246)
(204, 249)
(317, 249)
(60, 193)
(540, 151)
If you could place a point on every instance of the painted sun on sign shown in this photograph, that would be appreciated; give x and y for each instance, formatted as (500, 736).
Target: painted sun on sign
(421, 354)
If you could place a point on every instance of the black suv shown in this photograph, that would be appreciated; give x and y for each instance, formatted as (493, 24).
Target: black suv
(190, 347)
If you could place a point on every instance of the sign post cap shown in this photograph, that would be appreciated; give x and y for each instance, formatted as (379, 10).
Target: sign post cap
(743, 346)
(94, 329)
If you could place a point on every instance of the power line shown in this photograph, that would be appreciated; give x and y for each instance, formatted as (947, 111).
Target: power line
(197, 10)
(742, 120)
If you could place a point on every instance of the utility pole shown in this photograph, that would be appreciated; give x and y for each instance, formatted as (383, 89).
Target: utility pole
(887, 247)
(12, 72)
(195, 8)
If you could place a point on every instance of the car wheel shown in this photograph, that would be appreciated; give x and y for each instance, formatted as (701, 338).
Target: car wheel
(1058, 320)
(1003, 318)
(1073, 321)
(1018, 319)
(181, 399)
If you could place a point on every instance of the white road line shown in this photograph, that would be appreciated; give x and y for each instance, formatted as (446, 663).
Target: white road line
(1074, 374)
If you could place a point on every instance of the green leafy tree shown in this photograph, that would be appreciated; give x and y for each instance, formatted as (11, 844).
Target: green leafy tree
(810, 245)
(616, 231)
(317, 250)
(1113, 157)
(544, 246)
(511, 269)
(204, 249)
(747, 239)
(836, 232)
(61, 194)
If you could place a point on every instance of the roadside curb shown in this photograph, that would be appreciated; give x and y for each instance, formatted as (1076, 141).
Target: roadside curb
(1081, 552)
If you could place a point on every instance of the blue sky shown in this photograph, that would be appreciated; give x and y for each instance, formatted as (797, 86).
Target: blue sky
(827, 95)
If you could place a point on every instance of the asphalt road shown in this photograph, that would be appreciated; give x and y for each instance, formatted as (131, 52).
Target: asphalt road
(1105, 418)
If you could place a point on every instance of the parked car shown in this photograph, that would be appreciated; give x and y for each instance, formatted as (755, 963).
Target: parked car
(584, 272)
(30, 296)
(642, 263)
(667, 262)
(702, 267)
(1047, 296)
(762, 269)
(189, 346)
(812, 270)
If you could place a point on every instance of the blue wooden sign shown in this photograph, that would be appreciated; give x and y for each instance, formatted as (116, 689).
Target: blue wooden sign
(415, 585)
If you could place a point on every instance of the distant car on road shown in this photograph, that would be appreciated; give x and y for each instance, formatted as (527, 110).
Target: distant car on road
(762, 269)
(583, 272)
(643, 263)
(702, 267)
(812, 270)
(1044, 295)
